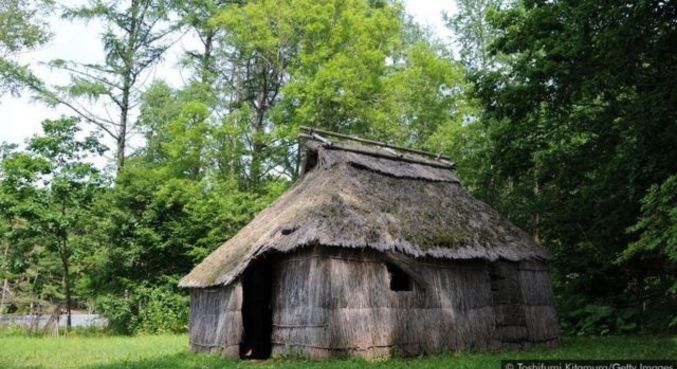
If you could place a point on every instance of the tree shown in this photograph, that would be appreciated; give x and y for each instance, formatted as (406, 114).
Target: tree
(343, 66)
(196, 15)
(212, 84)
(6, 226)
(21, 29)
(224, 145)
(657, 242)
(423, 92)
(336, 76)
(210, 163)
(172, 205)
(658, 223)
(475, 32)
(134, 40)
(582, 122)
(18, 171)
(47, 194)
(255, 69)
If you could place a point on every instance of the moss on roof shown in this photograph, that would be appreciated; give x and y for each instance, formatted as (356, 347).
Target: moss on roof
(362, 201)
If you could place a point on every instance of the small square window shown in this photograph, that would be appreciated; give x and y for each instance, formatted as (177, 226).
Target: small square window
(399, 280)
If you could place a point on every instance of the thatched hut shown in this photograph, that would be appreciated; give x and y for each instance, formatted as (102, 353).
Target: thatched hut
(373, 252)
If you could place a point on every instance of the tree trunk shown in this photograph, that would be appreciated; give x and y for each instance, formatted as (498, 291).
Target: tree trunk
(127, 83)
(297, 161)
(124, 117)
(5, 283)
(66, 282)
(258, 145)
(207, 75)
(5, 287)
(121, 141)
(537, 214)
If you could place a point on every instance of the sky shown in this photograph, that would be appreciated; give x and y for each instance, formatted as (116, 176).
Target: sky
(20, 117)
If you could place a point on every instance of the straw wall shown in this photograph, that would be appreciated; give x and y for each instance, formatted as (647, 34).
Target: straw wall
(335, 302)
(216, 319)
(339, 303)
(539, 303)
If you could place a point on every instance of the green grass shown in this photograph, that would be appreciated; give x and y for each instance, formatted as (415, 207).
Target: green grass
(168, 352)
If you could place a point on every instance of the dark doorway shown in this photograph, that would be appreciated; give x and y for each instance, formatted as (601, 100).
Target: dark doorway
(257, 314)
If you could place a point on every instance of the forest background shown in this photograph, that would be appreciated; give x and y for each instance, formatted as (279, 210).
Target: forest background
(560, 114)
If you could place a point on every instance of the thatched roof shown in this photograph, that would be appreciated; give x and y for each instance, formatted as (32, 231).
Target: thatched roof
(359, 197)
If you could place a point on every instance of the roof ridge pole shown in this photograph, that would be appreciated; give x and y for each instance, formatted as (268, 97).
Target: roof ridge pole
(438, 156)
(382, 154)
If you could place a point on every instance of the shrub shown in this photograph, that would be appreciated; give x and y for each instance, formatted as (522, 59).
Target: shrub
(120, 312)
(146, 310)
(162, 311)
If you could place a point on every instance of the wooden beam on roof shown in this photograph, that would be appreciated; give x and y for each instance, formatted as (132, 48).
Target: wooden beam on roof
(312, 130)
(384, 154)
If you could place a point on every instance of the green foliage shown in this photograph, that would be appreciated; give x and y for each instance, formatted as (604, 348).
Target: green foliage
(173, 203)
(423, 94)
(601, 320)
(581, 121)
(195, 15)
(47, 192)
(122, 318)
(146, 310)
(163, 311)
(355, 67)
(657, 228)
(560, 114)
(162, 226)
(21, 29)
(134, 40)
(658, 223)
(474, 32)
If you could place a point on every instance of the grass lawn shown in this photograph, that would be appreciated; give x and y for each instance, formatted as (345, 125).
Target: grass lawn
(168, 352)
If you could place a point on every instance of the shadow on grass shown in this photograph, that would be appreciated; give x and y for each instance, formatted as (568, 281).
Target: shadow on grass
(204, 361)
(175, 361)
(637, 347)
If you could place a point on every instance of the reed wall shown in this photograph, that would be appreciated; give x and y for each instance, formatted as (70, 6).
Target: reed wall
(216, 319)
(337, 302)
(539, 303)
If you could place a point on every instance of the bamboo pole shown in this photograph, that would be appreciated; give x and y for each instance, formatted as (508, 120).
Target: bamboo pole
(312, 130)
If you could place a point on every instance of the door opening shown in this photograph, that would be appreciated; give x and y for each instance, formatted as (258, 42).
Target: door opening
(257, 314)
